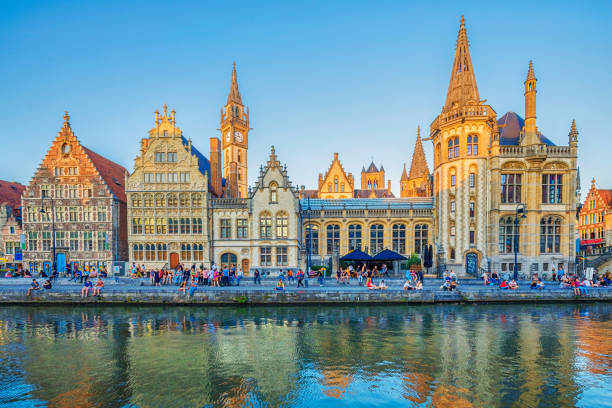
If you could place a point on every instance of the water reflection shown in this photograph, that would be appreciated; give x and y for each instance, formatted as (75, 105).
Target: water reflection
(441, 356)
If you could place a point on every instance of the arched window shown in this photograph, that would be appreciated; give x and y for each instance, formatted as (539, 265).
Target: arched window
(452, 177)
(472, 145)
(185, 252)
(335, 184)
(329, 187)
(376, 238)
(282, 225)
(228, 259)
(354, 231)
(185, 226)
(149, 252)
(196, 225)
(438, 153)
(136, 200)
(312, 238)
(472, 180)
(420, 238)
(196, 200)
(265, 225)
(238, 162)
(508, 235)
(198, 252)
(453, 147)
(161, 252)
(342, 187)
(160, 201)
(149, 225)
(160, 225)
(173, 225)
(452, 253)
(273, 192)
(399, 238)
(148, 200)
(172, 200)
(137, 252)
(333, 238)
(184, 199)
(550, 235)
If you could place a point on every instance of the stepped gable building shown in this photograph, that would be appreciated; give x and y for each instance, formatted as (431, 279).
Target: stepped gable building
(595, 219)
(484, 168)
(261, 231)
(168, 195)
(81, 194)
(10, 220)
(337, 183)
(417, 183)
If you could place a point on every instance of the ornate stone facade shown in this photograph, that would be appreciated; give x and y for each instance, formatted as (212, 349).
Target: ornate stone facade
(261, 231)
(10, 221)
(84, 192)
(168, 195)
(595, 219)
(485, 168)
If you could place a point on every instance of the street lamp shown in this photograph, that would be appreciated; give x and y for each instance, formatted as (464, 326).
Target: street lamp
(42, 211)
(521, 213)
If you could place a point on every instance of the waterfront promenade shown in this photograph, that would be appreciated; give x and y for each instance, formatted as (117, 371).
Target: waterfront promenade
(140, 291)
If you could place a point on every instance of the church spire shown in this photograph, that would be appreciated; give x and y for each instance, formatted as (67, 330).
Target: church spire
(462, 86)
(418, 167)
(404, 174)
(234, 94)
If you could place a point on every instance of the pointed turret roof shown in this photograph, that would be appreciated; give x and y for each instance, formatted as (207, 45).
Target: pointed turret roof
(404, 174)
(530, 74)
(234, 94)
(372, 168)
(462, 86)
(418, 167)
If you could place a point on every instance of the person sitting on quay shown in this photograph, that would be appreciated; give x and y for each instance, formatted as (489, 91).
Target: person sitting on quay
(87, 285)
(503, 284)
(408, 285)
(513, 285)
(494, 278)
(485, 278)
(97, 289)
(193, 288)
(47, 285)
(183, 287)
(370, 285)
(280, 285)
(575, 283)
(419, 285)
(33, 286)
(382, 285)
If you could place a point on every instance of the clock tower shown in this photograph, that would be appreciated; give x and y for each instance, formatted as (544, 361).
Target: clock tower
(235, 135)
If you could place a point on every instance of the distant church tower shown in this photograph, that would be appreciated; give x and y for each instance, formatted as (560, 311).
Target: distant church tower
(416, 183)
(235, 133)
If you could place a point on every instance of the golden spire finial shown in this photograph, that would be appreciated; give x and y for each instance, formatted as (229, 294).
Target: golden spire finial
(234, 94)
(66, 118)
(462, 24)
(165, 110)
(418, 131)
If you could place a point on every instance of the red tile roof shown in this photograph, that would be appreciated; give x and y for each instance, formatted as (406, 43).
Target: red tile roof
(112, 173)
(606, 195)
(10, 193)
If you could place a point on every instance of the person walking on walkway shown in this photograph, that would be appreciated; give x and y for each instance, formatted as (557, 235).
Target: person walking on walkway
(300, 278)
(257, 277)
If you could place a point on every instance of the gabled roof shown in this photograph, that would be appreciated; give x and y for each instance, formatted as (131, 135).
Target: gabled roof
(606, 195)
(112, 173)
(372, 168)
(10, 193)
(511, 125)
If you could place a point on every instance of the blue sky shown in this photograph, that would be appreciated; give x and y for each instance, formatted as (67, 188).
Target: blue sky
(319, 77)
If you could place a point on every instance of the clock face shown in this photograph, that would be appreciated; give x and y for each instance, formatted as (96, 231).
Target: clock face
(227, 137)
(238, 136)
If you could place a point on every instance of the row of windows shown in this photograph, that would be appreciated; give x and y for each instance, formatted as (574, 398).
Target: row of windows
(242, 228)
(593, 218)
(182, 177)
(66, 191)
(73, 240)
(149, 200)
(453, 147)
(335, 186)
(159, 252)
(161, 225)
(66, 214)
(472, 233)
(592, 233)
(66, 171)
(265, 256)
(471, 206)
(453, 179)
(356, 238)
(281, 223)
(550, 235)
(163, 157)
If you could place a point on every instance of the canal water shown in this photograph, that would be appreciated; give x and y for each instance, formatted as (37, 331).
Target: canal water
(413, 356)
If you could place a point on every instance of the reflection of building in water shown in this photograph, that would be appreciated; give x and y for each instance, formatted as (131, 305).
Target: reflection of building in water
(336, 382)
(594, 344)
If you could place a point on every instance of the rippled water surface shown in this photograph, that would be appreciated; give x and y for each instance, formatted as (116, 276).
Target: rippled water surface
(433, 356)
